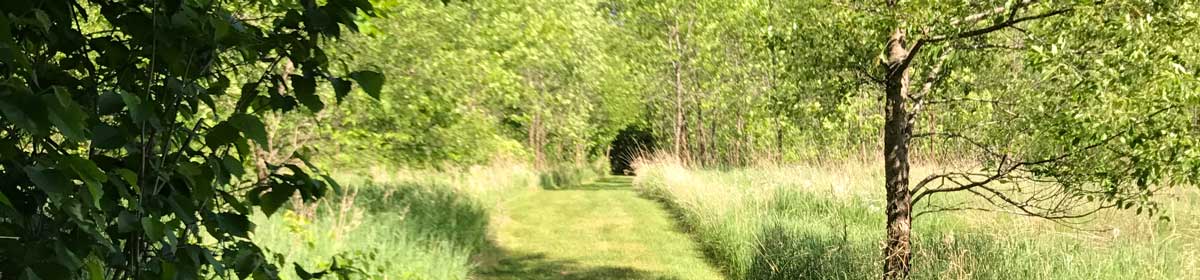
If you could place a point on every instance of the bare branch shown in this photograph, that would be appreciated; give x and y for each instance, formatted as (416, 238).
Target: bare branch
(1061, 202)
(996, 27)
(1012, 20)
(971, 19)
(967, 99)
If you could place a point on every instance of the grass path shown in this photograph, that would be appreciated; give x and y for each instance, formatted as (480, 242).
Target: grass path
(601, 230)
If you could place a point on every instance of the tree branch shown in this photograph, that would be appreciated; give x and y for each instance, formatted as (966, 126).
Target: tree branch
(971, 19)
(972, 181)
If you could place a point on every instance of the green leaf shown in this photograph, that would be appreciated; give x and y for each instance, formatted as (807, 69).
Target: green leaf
(235, 224)
(110, 103)
(249, 93)
(220, 135)
(167, 270)
(304, 274)
(66, 114)
(371, 82)
(107, 137)
(137, 110)
(25, 111)
(221, 28)
(246, 261)
(4, 200)
(153, 228)
(274, 198)
(126, 222)
(130, 178)
(86, 169)
(233, 166)
(251, 127)
(66, 257)
(234, 202)
(28, 274)
(95, 269)
(5, 32)
(96, 192)
(341, 88)
(49, 180)
(306, 92)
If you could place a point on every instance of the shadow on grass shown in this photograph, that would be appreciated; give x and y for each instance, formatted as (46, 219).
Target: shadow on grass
(536, 266)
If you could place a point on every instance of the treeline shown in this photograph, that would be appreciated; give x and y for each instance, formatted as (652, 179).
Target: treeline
(554, 82)
(545, 81)
(718, 82)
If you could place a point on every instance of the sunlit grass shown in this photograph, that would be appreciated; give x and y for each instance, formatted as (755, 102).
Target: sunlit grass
(826, 222)
(398, 224)
(600, 230)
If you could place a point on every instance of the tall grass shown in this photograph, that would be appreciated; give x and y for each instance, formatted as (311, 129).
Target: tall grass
(827, 221)
(568, 175)
(398, 224)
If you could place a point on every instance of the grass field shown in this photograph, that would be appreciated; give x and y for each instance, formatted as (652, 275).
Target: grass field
(506, 221)
(826, 222)
(601, 230)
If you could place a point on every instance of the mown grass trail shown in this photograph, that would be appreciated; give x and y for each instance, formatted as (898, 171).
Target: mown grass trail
(601, 230)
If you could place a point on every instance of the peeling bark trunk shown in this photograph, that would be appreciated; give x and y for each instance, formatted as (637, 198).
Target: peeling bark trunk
(897, 251)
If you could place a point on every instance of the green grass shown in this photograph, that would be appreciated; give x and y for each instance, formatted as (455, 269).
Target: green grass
(601, 230)
(827, 222)
(397, 225)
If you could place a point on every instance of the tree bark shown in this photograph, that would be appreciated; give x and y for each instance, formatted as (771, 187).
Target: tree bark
(537, 141)
(738, 140)
(702, 137)
(897, 252)
(681, 143)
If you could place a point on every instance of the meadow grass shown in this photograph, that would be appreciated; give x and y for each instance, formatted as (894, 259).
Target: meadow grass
(398, 224)
(599, 230)
(827, 221)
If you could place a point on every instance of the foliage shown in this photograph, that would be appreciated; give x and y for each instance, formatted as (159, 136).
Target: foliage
(122, 149)
(476, 78)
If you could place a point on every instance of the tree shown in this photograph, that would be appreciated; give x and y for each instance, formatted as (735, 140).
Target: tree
(123, 154)
(1056, 154)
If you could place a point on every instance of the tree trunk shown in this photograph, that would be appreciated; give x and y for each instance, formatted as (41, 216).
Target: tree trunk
(739, 138)
(679, 143)
(778, 140)
(896, 132)
(535, 140)
(702, 137)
